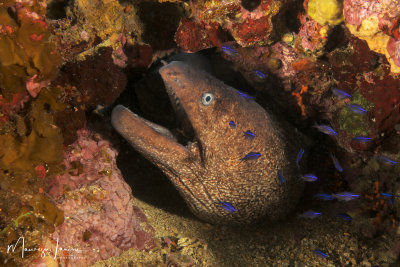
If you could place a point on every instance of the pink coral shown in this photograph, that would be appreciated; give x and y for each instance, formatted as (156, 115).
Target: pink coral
(309, 33)
(355, 11)
(377, 22)
(40, 171)
(118, 55)
(100, 219)
(393, 48)
(17, 103)
(33, 86)
(394, 29)
(287, 56)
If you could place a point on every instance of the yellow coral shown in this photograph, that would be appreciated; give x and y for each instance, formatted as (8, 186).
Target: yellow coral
(25, 50)
(105, 17)
(326, 11)
(44, 142)
(375, 38)
(28, 138)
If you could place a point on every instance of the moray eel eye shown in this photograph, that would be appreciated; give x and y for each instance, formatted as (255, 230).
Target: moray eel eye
(207, 99)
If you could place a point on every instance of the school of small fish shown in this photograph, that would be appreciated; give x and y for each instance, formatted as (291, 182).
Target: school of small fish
(310, 177)
(341, 196)
(326, 129)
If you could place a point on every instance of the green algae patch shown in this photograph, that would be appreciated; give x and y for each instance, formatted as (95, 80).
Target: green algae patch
(356, 124)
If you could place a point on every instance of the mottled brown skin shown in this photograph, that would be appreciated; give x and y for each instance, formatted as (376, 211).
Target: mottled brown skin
(210, 170)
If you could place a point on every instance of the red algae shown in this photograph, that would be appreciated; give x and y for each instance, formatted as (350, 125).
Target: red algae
(192, 36)
(247, 28)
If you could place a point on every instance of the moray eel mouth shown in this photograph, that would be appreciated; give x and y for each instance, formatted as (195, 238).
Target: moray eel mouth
(124, 120)
(184, 133)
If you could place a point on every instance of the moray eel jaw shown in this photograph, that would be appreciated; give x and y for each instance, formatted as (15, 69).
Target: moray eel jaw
(153, 141)
(213, 169)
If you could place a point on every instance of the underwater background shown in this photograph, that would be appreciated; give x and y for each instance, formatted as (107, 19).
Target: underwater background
(73, 192)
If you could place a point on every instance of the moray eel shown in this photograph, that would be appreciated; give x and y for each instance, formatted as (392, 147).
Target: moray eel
(254, 174)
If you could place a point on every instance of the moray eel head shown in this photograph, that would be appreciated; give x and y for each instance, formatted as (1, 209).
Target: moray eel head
(236, 154)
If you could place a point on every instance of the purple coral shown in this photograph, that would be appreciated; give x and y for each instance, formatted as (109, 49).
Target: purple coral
(100, 220)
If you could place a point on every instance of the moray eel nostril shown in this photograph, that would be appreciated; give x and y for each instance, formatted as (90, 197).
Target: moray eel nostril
(235, 157)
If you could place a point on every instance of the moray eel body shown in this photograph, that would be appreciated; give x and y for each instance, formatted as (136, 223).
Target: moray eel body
(240, 156)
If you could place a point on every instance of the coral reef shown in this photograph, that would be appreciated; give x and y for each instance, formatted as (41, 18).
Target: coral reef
(320, 57)
(114, 18)
(372, 86)
(87, 26)
(37, 118)
(287, 54)
(313, 36)
(248, 28)
(29, 68)
(37, 141)
(84, 90)
(28, 58)
(353, 68)
(29, 154)
(31, 144)
(81, 31)
(376, 22)
(326, 11)
(192, 36)
(94, 89)
(100, 219)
